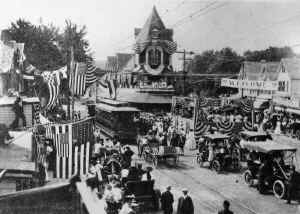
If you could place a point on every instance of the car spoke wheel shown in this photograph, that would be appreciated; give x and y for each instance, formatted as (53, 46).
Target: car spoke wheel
(216, 166)
(279, 189)
(298, 134)
(248, 177)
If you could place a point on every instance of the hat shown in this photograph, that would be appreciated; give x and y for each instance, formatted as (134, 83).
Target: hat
(185, 190)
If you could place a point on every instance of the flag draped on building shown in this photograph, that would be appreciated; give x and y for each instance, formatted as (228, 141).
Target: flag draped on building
(201, 124)
(72, 144)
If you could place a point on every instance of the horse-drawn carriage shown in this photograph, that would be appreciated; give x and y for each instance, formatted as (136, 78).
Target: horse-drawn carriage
(278, 158)
(155, 153)
(217, 150)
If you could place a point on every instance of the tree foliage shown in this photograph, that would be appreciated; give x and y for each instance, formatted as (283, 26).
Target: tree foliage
(228, 61)
(270, 54)
(224, 61)
(46, 47)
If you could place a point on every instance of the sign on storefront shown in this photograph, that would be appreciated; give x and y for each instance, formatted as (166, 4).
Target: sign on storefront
(248, 84)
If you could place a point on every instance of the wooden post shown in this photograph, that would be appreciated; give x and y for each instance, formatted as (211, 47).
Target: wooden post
(70, 63)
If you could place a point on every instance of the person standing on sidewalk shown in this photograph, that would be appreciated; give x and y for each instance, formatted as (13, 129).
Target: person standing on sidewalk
(185, 204)
(167, 201)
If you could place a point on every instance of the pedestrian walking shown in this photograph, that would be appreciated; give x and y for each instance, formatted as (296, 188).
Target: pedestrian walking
(185, 204)
(19, 112)
(226, 209)
(167, 201)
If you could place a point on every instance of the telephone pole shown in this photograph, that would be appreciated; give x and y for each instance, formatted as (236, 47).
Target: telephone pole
(184, 70)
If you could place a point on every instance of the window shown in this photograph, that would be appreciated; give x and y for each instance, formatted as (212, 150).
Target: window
(281, 86)
(154, 58)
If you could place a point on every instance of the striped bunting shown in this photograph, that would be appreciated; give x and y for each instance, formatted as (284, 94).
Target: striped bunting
(77, 81)
(225, 126)
(53, 83)
(247, 125)
(200, 121)
(246, 105)
(90, 76)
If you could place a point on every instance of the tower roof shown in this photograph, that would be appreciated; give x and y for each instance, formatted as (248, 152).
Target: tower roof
(153, 21)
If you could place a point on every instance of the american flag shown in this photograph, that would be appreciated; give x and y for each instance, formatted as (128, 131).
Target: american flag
(90, 76)
(53, 83)
(63, 145)
(77, 80)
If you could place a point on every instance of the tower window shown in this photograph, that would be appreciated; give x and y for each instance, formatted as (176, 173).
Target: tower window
(154, 57)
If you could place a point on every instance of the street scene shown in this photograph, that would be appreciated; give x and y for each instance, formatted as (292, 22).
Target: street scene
(150, 107)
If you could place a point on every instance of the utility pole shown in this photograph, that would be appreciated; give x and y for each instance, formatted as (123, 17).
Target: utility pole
(70, 72)
(184, 59)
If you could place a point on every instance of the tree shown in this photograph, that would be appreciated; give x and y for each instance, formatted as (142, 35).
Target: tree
(40, 47)
(46, 47)
(270, 54)
(224, 61)
(74, 36)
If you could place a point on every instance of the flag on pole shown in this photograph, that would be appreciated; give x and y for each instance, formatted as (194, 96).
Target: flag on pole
(90, 76)
(53, 86)
(77, 81)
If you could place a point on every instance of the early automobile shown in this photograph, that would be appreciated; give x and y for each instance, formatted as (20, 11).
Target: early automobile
(219, 152)
(268, 167)
(251, 136)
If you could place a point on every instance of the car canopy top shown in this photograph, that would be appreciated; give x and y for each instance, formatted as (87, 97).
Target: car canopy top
(267, 146)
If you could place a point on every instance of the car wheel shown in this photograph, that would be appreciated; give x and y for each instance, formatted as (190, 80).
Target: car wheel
(279, 189)
(248, 177)
(298, 134)
(216, 166)
(199, 159)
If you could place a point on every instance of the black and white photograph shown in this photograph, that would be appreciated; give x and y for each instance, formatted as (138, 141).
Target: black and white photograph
(150, 107)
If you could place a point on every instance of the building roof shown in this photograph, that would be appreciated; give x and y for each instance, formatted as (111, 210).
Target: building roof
(259, 71)
(110, 108)
(133, 96)
(292, 66)
(153, 21)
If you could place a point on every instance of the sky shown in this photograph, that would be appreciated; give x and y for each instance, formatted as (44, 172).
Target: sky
(198, 25)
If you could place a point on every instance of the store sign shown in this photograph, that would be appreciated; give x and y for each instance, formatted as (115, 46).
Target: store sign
(248, 84)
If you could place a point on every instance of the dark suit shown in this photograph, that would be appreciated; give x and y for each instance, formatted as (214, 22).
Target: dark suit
(225, 212)
(185, 205)
(167, 200)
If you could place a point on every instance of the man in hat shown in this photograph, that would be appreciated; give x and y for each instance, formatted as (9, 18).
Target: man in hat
(226, 209)
(185, 204)
(291, 184)
(167, 201)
